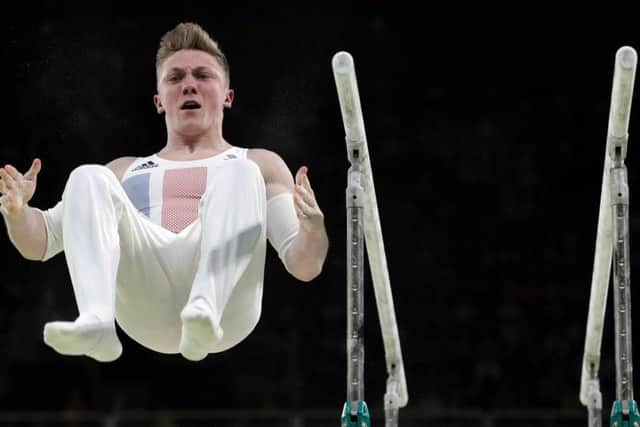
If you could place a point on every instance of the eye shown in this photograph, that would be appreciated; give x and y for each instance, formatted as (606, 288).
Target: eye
(203, 76)
(174, 78)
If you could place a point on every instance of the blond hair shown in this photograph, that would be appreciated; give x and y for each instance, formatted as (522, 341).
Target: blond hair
(188, 35)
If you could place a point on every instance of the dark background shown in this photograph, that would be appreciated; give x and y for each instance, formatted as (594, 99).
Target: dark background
(486, 142)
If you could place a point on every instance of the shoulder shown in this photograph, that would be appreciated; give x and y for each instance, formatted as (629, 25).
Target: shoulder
(263, 157)
(120, 165)
(270, 163)
(275, 171)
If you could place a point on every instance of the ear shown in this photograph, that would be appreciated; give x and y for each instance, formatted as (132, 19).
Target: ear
(158, 104)
(228, 99)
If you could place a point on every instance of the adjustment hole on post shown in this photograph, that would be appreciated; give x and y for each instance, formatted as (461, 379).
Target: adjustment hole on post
(355, 197)
(619, 195)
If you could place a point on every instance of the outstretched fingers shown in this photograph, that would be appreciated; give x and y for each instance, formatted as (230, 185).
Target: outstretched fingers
(305, 202)
(306, 196)
(302, 207)
(302, 179)
(6, 180)
(16, 189)
(33, 171)
(7, 186)
(302, 171)
(13, 172)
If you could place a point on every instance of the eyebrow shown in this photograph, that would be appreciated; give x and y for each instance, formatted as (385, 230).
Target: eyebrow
(195, 70)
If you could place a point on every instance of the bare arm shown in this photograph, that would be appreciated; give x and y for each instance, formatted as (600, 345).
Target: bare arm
(308, 251)
(25, 224)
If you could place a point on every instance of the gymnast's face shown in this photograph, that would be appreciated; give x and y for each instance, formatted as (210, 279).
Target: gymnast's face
(192, 92)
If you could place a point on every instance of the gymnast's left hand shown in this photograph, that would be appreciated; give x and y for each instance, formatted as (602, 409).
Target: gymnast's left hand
(309, 213)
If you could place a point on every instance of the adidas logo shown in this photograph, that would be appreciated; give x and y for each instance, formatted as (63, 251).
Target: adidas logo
(146, 165)
(230, 156)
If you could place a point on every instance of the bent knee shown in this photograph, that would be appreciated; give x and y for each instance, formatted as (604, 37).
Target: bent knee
(91, 173)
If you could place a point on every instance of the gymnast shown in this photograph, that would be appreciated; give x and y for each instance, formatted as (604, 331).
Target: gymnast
(171, 245)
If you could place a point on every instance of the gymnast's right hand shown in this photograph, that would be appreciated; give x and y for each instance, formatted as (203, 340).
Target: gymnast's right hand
(16, 189)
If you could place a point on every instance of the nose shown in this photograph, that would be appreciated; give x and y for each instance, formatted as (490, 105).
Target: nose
(189, 89)
(189, 85)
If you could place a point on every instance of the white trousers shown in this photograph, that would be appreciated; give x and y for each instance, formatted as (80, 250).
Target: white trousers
(127, 268)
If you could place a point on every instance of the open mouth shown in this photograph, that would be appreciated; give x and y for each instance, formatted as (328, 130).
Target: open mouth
(190, 105)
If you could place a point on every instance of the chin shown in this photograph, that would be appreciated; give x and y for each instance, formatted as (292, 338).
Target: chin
(191, 129)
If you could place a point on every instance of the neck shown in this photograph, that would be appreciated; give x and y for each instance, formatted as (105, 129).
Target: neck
(191, 147)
